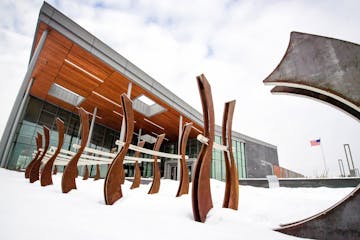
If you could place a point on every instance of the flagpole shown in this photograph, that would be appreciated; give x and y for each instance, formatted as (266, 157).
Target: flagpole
(323, 156)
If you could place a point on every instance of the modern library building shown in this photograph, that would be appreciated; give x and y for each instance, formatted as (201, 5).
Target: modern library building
(70, 68)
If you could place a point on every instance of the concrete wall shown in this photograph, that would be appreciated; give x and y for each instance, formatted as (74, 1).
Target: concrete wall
(254, 154)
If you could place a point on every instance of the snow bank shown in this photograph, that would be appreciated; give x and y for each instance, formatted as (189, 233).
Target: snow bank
(29, 211)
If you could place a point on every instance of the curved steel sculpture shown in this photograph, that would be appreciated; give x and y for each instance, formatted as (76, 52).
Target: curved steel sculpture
(155, 186)
(201, 195)
(231, 196)
(184, 172)
(35, 169)
(341, 221)
(38, 146)
(71, 170)
(323, 68)
(112, 186)
(86, 172)
(46, 173)
(97, 174)
(137, 174)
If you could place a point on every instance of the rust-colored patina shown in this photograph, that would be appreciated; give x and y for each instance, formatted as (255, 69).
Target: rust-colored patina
(184, 172)
(155, 186)
(38, 146)
(35, 170)
(46, 174)
(137, 174)
(86, 172)
(112, 186)
(55, 170)
(97, 174)
(71, 171)
(201, 195)
(231, 196)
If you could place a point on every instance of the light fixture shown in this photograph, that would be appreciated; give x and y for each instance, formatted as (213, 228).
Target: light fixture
(146, 100)
(196, 129)
(84, 71)
(106, 99)
(65, 94)
(117, 113)
(146, 106)
(147, 120)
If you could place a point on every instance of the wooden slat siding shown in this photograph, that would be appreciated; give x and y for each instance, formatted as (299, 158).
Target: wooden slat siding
(52, 68)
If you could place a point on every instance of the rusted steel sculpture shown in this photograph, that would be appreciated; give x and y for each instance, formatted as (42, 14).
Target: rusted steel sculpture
(86, 172)
(155, 186)
(46, 174)
(184, 172)
(38, 146)
(322, 68)
(35, 170)
(231, 196)
(97, 174)
(55, 170)
(112, 185)
(201, 195)
(341, 221)
(137, 174)
(71, 171)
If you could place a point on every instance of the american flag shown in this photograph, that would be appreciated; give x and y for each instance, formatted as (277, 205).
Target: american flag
(315, 142)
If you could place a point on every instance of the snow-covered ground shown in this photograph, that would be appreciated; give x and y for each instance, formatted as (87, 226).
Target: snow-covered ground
(29, 211)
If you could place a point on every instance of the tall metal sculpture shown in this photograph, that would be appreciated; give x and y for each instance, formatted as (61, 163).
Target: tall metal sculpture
(38, 152)
(340, 221)
(46, 173)
(35, 169)
(137, 174)
(97, 173)
(323, 68)
(71, 171)
(184, 173)
(201, 195)
(86, 172)
(112, 186)
(231, 196)
(155, 186)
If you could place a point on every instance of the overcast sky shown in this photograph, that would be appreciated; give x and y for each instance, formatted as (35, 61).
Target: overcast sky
(236, 44)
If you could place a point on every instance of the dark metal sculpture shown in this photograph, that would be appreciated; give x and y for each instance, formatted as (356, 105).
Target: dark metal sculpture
(38, 152)
(184, 172)
(155, 186)
(231, 196)
(97, 174)
(71, 171)
(340, 221)
(112, 186)
(201, 195)
(55, 170)
(86, 172)
(323, 68)
(35, 169)
(137, 174)
(46, 174)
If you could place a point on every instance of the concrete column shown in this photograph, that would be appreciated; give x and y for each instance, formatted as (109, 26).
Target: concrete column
(139, 136)
(18, 107)
(92, 126)
(179, 141)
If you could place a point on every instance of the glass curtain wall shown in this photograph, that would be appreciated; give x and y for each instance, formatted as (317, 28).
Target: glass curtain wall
(40, 113)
